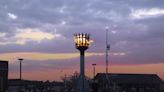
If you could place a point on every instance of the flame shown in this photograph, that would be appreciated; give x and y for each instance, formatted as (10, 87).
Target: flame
(82, 40)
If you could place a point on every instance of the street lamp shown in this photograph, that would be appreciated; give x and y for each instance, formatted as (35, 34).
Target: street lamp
(65, 84)
(20, 60)
(94, 72)
(82, 42)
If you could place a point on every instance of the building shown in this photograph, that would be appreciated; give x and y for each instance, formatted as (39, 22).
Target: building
(116, 82)
(3, 76)
(162, 87)
(15, 85)
(34, 86)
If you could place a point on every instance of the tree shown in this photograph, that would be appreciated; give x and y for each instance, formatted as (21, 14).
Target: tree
(71, 81)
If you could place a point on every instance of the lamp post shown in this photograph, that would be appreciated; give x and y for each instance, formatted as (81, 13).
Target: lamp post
(94, 72)
(82, 42)
(65, 84)
(20, 72)
(20, 60)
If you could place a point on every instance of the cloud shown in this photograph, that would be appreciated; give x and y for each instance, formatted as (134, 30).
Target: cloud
(24, 35)
(12, 16)
(52, 56)
(146, 13)
(44, 56)
(136, 34)
(2, 34)
(56, 74)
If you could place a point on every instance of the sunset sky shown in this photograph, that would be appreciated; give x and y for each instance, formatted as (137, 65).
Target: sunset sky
(41, 32)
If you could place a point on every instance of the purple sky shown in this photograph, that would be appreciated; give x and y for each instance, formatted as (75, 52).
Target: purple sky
(136, 31)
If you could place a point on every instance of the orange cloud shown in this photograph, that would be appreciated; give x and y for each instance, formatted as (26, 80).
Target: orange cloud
(43, 56)
(50, 74)
(32, 34)
(12, 57)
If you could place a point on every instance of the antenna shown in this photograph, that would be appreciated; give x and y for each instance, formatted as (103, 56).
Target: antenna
(107, 49)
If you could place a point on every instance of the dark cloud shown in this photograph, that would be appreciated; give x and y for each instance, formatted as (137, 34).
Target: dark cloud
(141, 39)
